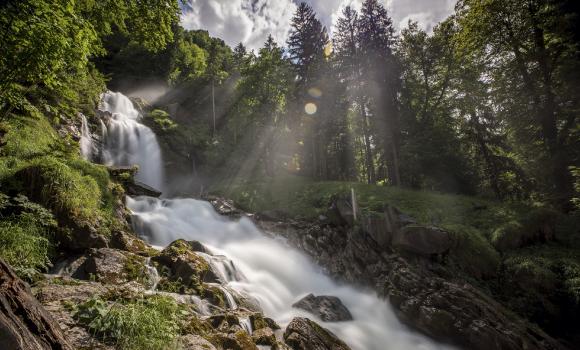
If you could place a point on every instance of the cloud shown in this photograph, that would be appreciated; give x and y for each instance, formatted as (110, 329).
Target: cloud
(235, 21)
(250, 21)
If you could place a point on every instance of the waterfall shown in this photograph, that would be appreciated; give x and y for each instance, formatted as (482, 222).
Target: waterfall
(86, 141)
(127, 142)
(271, 272)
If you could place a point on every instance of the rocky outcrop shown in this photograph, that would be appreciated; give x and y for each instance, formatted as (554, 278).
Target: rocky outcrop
(422, 240)
(423, 293)
(126, 176)
(24, 323)
(327, 308)
(304, 334)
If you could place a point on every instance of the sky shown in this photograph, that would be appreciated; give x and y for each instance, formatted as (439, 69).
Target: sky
(250, 21)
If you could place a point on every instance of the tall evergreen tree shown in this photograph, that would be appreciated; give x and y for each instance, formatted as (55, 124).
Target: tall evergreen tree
(380, 73)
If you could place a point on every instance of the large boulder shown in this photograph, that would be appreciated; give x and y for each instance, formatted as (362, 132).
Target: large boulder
(327, 308)
(181, 263)
(24, 323)
(304, 334)
(195, 342)
(422, 240)
(106, 265)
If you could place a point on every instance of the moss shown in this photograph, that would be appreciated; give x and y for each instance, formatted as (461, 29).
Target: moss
(471, 252)
(135, 269)
(215, 295)
(198, 326)
(162, 120)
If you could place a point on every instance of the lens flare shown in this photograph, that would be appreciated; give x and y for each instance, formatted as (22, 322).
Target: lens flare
(315, 92)
(310, 108)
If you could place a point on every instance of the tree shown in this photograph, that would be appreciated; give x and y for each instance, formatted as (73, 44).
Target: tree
(307, 41)
(45, 42)
(380, 74)
(348, 60)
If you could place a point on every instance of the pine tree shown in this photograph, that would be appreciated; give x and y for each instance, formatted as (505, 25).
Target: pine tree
(380, 74)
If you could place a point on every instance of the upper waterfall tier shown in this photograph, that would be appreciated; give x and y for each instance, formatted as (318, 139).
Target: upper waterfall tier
(128, 142)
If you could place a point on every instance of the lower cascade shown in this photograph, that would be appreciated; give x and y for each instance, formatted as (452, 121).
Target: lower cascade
(273, 273)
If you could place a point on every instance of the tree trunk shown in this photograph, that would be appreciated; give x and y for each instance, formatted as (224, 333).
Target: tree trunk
(369, 162)
(24, 323)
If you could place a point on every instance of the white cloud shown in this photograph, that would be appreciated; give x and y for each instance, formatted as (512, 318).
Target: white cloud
(235, 21)
(250, 21)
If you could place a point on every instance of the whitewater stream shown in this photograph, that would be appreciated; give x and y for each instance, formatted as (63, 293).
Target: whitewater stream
(250, 262)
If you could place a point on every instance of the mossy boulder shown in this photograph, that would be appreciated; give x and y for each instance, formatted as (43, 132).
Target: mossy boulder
(422, 240)
(304, 334)
(180, 262)
(126, 241)
(472, 253)
(108, 266)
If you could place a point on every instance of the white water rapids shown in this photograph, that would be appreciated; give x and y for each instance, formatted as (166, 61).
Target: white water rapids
(265, 268)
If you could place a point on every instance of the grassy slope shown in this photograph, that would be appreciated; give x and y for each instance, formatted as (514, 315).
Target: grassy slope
(302, 197)
(37, 162)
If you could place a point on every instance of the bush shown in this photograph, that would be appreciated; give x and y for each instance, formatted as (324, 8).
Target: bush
(25, 232)
(144, 323)
(471, 252)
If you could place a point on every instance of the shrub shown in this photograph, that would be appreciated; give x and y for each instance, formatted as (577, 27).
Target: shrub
(25, 232)
(24, 246)
(144, 323)
(471, 252)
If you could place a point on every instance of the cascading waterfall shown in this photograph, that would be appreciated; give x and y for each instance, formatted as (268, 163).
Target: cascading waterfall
(249, 262)
(86, 141)
(128, 142)
(273, 273)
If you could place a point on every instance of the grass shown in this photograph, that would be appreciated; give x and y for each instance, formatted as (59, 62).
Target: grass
(143, 323)
(25, 247)
(36, 161)
(26, 230)
(302, 197)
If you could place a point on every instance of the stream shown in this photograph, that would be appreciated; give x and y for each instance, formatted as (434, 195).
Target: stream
(251, 263)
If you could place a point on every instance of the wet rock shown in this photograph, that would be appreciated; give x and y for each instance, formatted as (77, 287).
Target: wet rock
(106, 265)
(181, 263)
(136, 188)
(304, 334)
(224, 206)
(123, 240)
(234, 341)
(328, 308)
(422, 240)
(195, 342)
(24, 322)
(264, 336)
(258, 321)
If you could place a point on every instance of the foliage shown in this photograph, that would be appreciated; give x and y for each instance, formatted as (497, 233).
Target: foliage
(142, 323)
(26, 231)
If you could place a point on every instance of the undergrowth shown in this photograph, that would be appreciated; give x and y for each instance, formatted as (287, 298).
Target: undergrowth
(143, 323)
